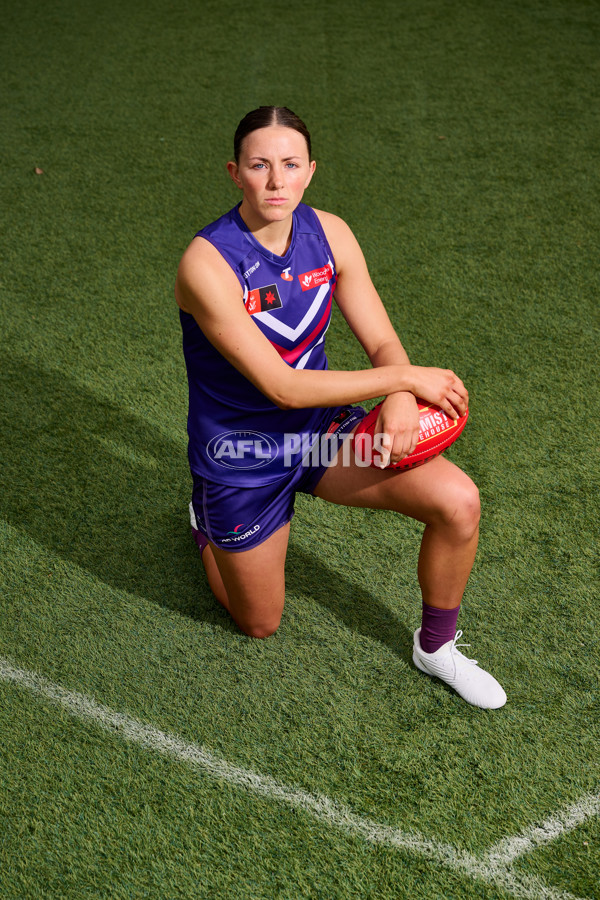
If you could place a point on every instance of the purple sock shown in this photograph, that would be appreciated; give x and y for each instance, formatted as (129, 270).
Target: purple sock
(438, 626)
(200, 540)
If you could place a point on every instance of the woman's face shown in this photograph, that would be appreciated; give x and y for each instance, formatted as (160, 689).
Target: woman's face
(273, 172)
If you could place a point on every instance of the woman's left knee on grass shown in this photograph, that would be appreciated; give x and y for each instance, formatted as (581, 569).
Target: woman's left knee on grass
(259, 628)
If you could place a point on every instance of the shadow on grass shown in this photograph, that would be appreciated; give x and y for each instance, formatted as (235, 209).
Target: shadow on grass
(359, 609)
(105, 490)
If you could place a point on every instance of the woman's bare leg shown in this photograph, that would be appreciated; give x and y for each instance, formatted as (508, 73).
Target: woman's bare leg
(250, 584)
(440, 495)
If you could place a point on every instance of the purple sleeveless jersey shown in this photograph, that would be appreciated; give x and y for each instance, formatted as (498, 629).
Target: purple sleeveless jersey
(236, 435)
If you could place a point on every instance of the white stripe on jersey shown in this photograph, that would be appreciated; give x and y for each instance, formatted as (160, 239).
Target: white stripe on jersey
(293, 334)
(304, 359)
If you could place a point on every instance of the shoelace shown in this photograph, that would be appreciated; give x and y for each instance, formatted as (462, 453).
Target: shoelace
(456, 645)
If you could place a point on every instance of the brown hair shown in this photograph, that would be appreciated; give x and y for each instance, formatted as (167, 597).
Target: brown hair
(264, 117)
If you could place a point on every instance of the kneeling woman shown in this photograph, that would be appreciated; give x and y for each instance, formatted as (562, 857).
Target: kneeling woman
(255, 290)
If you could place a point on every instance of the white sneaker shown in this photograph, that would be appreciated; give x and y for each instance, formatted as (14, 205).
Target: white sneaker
(464, 675)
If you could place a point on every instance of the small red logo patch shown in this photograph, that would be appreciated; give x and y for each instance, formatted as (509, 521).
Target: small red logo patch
(310, 280)
(286, 274)
(263, 298)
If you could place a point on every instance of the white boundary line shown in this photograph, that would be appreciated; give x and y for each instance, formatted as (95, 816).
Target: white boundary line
(495, 867)
(508, 850)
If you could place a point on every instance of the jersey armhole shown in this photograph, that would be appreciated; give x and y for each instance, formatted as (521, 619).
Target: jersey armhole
(319, 231)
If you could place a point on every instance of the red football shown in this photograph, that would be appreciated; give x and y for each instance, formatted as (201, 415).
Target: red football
(437, 431)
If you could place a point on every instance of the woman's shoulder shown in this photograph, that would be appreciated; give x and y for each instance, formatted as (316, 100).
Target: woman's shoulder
(337, 231)
(332, 224)
(200, 250)
(202, 269)
(325, 216)
(221, 243)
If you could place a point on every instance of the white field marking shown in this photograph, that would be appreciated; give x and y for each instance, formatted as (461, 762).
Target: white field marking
(506, 851)
(494, 871)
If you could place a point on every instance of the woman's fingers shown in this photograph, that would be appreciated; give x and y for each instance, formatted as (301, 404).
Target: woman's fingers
(386, 444)
(395, 445)
(443, 388)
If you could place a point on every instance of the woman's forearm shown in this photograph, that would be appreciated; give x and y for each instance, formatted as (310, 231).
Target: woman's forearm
(306, 387)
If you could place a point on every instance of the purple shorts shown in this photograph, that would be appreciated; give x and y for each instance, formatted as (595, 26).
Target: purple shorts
(235, 518)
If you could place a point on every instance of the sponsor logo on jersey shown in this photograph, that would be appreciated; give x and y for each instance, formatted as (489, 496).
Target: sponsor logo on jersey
(263, 299)
(310, 280)
(252, 269)
(286, 274)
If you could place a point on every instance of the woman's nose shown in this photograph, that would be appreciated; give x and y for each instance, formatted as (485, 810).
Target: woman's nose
(275, 179)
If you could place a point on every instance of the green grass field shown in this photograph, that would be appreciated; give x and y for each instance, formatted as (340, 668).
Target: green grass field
(148, 748)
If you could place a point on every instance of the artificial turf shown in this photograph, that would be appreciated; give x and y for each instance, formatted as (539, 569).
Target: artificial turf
(460, 142)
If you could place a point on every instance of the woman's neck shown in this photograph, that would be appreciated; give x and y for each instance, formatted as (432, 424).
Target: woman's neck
(274, 236)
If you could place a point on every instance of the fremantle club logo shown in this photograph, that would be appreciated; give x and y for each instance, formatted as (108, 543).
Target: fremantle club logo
(262, 299)
(242, 449)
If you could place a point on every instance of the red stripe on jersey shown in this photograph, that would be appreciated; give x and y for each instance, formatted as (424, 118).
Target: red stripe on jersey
(290, 356)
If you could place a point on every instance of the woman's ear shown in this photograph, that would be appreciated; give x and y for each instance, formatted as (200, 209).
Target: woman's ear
(311, 172)
(233, 169)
